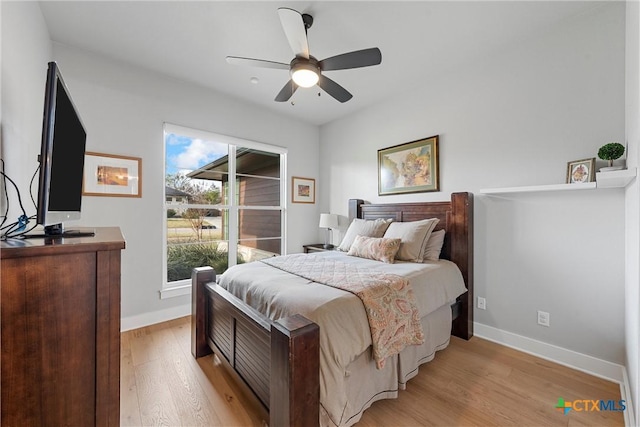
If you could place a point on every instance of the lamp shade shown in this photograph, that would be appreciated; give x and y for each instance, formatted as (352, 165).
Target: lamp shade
(304, 77)
(328, 220)
(305, 72)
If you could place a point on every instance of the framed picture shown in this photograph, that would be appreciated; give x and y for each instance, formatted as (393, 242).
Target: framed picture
(580, 171)
(111, 175)
(303, 190)
(409, 168)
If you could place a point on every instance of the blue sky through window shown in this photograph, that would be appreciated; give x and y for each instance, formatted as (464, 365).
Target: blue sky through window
(185, 154)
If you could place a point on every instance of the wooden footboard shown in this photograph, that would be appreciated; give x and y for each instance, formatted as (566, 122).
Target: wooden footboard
(279, 361)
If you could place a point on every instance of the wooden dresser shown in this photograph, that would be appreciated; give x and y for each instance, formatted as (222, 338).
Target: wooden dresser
(60, 321)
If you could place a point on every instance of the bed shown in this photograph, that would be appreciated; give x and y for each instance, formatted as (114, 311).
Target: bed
(280, 361)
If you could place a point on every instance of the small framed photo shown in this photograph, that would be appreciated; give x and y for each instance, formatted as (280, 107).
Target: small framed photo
(303, 190)
(112, 175)
(581, 171)
(411, 167)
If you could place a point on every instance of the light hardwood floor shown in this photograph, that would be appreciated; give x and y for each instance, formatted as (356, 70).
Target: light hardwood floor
(472, 382)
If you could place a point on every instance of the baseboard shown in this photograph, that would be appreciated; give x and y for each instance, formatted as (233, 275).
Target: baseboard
(625, 394)
(151, 318)
(572, 359)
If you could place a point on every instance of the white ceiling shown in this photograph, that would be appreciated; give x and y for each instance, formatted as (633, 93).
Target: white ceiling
(190, 40)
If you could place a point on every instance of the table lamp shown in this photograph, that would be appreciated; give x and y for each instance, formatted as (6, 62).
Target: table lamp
(328, 221)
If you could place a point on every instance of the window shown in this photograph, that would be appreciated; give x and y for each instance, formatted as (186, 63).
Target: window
(224, 203)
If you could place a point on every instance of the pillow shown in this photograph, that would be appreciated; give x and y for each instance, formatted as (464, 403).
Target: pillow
(413, 235)
(434, 246)
(363, 227)
(377, 248)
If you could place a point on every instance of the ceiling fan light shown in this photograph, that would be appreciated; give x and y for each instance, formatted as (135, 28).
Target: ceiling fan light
(305, 76)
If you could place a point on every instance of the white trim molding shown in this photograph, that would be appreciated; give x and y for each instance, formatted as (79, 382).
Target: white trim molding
(176, 291)
(572, 359)
(625, 394)
(151, 318)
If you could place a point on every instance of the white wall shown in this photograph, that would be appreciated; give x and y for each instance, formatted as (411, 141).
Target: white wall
(123, 109)
(517, 118)
(632, 220)
(26, 49)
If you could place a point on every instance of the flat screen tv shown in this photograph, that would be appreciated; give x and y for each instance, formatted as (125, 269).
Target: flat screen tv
(61, 159)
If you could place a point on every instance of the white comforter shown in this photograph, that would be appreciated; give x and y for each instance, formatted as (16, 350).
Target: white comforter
(344, 330)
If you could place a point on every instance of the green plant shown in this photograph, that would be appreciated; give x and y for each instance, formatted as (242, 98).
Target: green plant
(611, 152)
(171, 213)
(181, 259)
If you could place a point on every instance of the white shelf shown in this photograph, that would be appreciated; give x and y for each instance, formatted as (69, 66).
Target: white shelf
(539, 188)
(613, 179)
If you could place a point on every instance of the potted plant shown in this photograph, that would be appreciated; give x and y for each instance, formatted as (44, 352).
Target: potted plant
(610, 152)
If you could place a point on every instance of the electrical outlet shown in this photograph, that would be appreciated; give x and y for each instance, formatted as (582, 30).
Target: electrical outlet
(543, 318)
(482, 303)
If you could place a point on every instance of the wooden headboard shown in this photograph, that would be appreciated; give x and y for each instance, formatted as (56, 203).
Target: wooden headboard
(456, 218)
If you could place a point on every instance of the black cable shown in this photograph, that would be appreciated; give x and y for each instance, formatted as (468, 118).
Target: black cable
(13, 227)
(17, 192)
(18, 228)
(35, 205)
(23, 232)
(6, 195)
(23, 220)
(9, 225)
(10, 228)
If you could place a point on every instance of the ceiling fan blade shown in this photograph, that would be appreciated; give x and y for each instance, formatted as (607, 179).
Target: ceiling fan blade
(287, 91)
(356, 59)
(236, 60)
(334, 89)
(294, 29)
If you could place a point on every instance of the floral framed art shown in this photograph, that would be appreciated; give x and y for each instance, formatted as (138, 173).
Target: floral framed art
(112, 175)
(580, 171)
(412, 167)
(303, 190)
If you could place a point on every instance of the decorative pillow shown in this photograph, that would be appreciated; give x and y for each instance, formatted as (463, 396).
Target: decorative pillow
(377, 248)
(413, 235)
(434, 246)
(362, 227)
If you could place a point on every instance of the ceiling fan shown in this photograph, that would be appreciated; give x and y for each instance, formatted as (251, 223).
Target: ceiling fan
(305, 70)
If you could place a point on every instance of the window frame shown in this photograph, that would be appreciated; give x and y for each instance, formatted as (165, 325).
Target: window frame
(183, 287)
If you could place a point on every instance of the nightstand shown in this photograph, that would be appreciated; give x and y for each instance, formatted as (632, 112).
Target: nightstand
(317, 247)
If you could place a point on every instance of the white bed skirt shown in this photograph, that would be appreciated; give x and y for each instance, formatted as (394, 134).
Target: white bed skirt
(365, 384)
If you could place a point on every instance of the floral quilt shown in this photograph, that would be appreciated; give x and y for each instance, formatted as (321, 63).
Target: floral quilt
(388, 299)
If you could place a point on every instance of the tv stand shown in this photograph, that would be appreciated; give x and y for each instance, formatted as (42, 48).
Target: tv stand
(76, 233)
(57, 231)
(66, 234)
